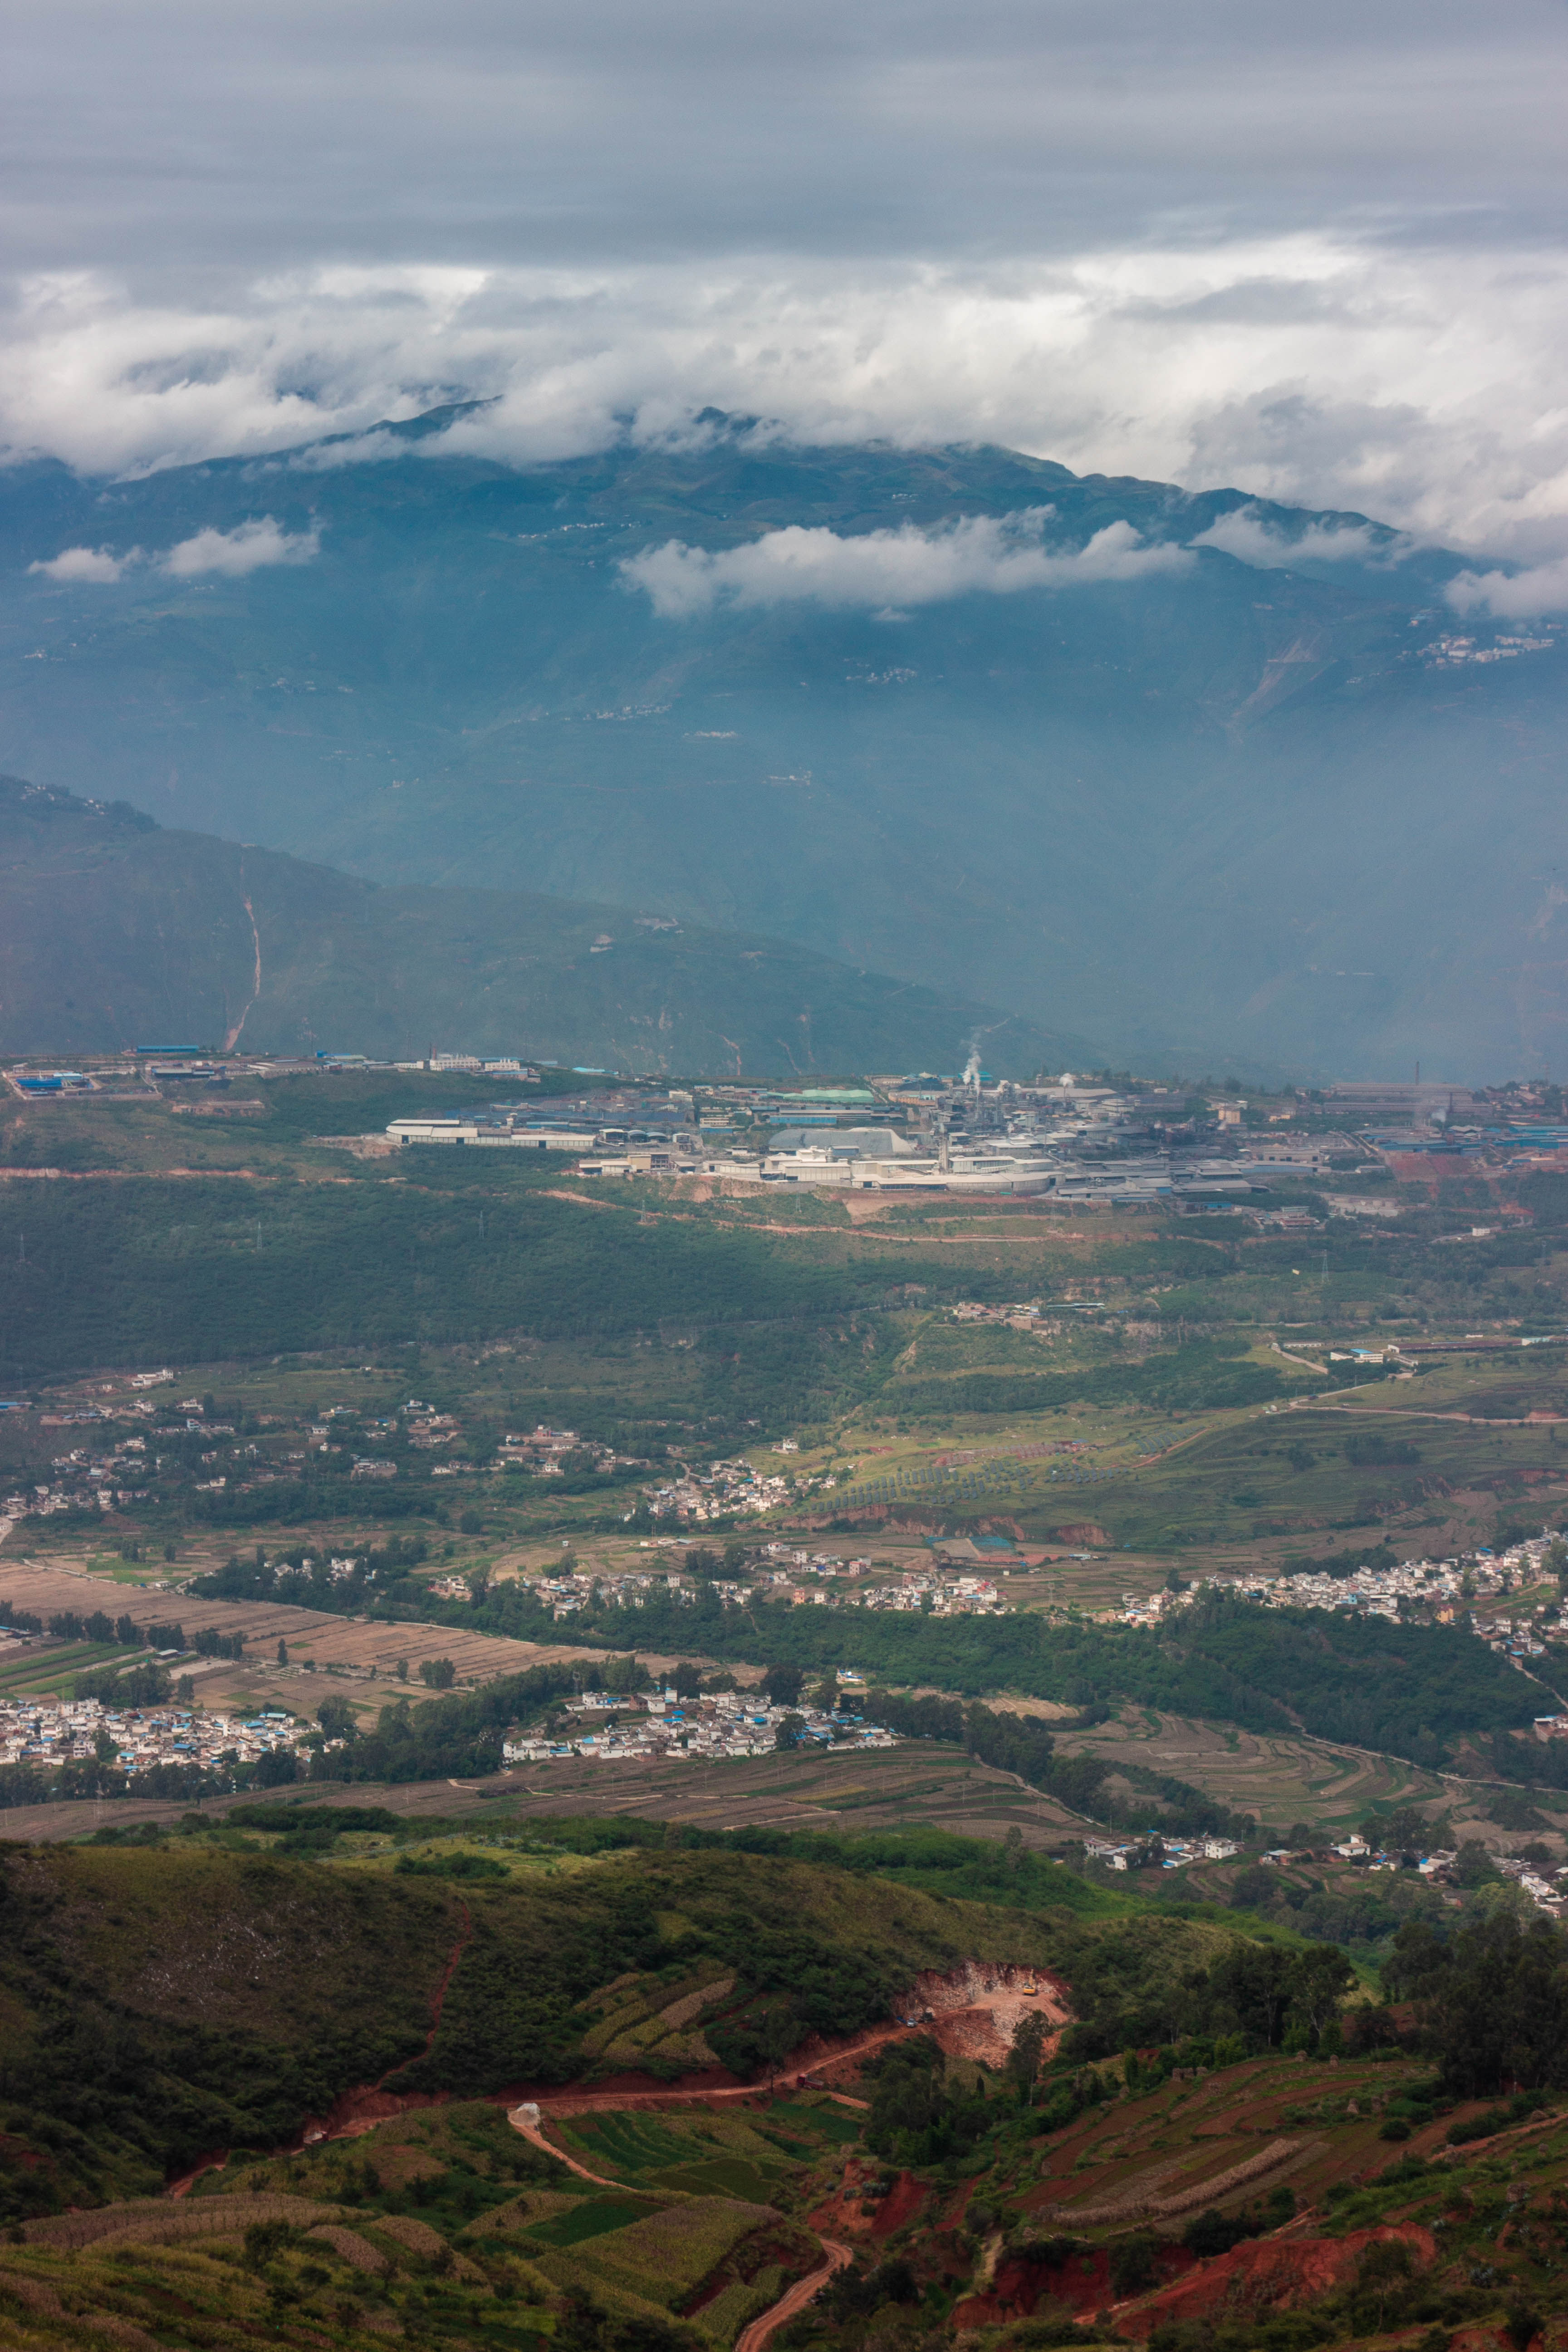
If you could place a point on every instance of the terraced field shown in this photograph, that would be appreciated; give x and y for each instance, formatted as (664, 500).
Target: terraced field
(897, 1787)
(1289, 1779)
(1277, 1779)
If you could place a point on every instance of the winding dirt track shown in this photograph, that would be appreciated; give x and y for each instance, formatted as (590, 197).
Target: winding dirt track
(531, 2133)
(795, 2298)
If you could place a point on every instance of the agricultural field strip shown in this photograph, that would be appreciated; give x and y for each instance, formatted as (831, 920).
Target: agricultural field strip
(152, 2218)
(1198, 2183)
(331, 1641)
(644, 2144)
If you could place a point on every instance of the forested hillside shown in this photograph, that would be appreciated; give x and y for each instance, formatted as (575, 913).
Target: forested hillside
(218, 1987)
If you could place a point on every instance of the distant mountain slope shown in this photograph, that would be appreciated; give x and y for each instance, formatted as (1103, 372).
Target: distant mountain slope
(1255, 808)
(116, 932)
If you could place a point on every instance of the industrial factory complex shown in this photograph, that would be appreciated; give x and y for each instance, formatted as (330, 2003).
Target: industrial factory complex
(1075, 1141)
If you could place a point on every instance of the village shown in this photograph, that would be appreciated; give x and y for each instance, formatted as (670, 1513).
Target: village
(136, 1740)
(942, 1590)
(1440, 1589)
(1545, 1883)
(724, 1724)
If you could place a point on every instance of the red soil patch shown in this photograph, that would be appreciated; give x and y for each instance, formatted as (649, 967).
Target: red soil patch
(842, 2212)
(1082, 2283)
(1273, 2274)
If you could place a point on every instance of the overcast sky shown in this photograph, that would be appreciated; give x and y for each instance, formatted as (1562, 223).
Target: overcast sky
(1318, 252)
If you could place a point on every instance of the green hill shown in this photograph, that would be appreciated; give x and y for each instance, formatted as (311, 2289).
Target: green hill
(164, 1994)
(117, 931)
(207, 1991)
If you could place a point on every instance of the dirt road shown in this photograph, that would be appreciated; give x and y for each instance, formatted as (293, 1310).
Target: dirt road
(795, 2298)
(532, 2133)
(805, 2291)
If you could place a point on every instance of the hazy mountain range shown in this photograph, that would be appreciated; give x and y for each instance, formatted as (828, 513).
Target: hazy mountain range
(1208, 782)
(118, 932)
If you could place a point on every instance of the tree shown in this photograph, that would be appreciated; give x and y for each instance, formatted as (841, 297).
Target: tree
(789, 1731)
(702, 1562)
(1320, 1978)
(1253, 1982)
(1408, 1831)
(336, 1718)
(778, 2030)
(784, 1685)
(402, 1668)
(1381, 2274)
(282, 1652)
(826, 1695)
(1253, 1888)
(1473, 1865)
(440, 1673)
(909, 2095)
(687, 1681)
(1495, 2002)
(1023, 2057)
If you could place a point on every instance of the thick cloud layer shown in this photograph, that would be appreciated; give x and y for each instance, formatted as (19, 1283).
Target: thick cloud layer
(1540, 588)
(1245, 534)
(1316, 253)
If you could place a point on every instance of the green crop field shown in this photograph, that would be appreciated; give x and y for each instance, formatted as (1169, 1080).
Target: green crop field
(591, 2218)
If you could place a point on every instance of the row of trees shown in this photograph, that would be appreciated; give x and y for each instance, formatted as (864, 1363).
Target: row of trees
(1413, 1689)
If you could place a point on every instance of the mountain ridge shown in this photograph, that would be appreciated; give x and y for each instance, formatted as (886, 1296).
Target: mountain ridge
(118, 929)
(1276, 815)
